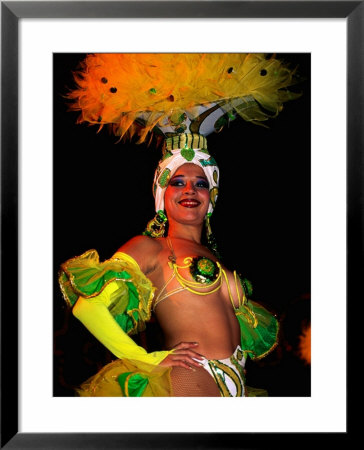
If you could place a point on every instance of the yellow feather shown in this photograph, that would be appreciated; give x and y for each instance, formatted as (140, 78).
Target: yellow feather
(118, 89)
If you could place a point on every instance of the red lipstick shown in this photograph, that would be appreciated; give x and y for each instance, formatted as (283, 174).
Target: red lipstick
(189, 203)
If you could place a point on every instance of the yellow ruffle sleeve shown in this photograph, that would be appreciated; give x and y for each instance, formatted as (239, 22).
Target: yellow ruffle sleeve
(113, 300)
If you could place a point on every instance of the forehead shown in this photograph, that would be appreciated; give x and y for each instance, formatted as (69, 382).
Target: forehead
(189, 169)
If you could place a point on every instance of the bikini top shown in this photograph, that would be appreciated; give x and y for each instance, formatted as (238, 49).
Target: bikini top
(207, 277)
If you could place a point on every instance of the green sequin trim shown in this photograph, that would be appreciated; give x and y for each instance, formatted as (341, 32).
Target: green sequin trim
(239, 355)
(215, 176)
(161, 217)
(213, 195)
(164, 178)
(167, 154)
(246, 285)
(208, 162)
(188, 153)
(205, 266)
(204, 270)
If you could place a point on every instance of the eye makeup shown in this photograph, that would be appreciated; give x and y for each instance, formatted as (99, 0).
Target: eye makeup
(177, 181)
(180, 180)
(203, 183)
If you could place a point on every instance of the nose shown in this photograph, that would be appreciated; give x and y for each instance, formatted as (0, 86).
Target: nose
(189, 188)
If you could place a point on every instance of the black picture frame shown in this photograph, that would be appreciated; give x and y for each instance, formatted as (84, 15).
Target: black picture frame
(11, 13)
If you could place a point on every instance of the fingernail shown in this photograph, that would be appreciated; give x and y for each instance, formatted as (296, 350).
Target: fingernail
(199, 360)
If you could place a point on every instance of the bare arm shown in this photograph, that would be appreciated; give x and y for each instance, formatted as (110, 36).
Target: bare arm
(144, 250)
(96, 317)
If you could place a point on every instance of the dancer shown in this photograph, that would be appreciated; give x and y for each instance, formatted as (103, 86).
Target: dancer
(209, 324)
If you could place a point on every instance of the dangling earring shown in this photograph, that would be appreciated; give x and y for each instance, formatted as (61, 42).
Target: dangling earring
(156, 226)
(211, 241)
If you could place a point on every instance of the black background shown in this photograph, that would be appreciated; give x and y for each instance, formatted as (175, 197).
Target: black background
(103, 197)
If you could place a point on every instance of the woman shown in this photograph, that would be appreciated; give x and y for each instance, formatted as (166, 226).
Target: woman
(197, 302)
(209, 325)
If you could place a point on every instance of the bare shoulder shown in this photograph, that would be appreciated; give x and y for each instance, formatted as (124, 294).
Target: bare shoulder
(144, 250)
(140, 243)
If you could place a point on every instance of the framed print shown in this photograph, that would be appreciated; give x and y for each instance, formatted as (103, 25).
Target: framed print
(293, 198)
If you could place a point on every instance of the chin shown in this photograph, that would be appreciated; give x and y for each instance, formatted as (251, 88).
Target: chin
(191, 219)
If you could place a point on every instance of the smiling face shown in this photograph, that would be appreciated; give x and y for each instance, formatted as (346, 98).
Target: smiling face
(187, 197)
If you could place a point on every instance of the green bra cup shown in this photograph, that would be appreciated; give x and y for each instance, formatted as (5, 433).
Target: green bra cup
(204, 270)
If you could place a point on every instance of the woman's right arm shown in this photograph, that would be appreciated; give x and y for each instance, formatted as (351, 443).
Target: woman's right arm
(144, 250)
(96, 317)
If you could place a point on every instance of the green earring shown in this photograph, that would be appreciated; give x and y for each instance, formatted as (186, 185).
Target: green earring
(156, 226)
(211, 241)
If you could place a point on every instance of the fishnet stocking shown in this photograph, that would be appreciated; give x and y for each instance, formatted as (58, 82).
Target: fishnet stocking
(189, 383)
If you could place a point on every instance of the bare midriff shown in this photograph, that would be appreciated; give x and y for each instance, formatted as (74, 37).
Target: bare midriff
(208, 320)
(190, 317)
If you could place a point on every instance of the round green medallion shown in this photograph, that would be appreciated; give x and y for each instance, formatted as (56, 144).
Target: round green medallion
(204, 270)
(206, 267)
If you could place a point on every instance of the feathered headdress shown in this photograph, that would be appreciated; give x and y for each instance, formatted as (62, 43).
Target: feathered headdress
(174, 94)
(181, 98)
